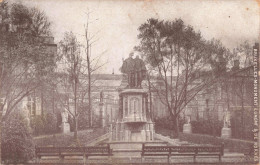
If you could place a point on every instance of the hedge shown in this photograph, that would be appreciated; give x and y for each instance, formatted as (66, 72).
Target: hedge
(234, 145)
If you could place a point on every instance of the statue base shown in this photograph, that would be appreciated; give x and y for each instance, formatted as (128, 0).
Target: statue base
(65, 127)
(187, 128)
(134, 123)
(226, 132)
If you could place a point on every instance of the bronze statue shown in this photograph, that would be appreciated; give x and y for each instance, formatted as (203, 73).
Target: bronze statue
(140, 71)
(135, 70)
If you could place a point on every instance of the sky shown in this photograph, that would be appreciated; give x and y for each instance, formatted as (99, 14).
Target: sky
(115, 23)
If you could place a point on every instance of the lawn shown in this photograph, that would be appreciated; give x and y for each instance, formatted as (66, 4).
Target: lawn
(64, 140)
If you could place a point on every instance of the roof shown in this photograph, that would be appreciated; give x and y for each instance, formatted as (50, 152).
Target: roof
(107, 76)
(108, 83)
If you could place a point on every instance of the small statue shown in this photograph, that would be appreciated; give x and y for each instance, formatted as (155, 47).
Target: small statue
(189, 119)
(226, 119)
(64, 116)
(101, 96)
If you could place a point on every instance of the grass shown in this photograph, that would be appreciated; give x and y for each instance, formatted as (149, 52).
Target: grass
(65, 140)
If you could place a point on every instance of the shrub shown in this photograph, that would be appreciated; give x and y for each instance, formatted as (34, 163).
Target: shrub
(37, 125)
(83, 121)
(50, 123)
(46, 124)
(17, 142)
(166, 123)
(209, 127)
(242, 124)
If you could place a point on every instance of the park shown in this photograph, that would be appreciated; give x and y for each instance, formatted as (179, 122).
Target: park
(83, 84)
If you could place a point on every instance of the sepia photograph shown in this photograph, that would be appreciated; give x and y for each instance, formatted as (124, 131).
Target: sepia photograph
(133, 82)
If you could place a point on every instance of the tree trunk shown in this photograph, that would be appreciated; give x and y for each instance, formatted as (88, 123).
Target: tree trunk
(75, 107)
(76, 129)
(41, 102)
(89, 86)
(89, 102)
(1, 123)
(150, 97)
(177, 127)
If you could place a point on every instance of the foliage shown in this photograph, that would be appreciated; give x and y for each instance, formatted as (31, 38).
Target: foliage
(242, 124)
(17, 142)
(184, 61)
(166, 123)
(73, 68)
(83, 120)
(50, 123)
(31, 20)
(83, 117)
(45, 124)
(37, 125)
(25, 61)
(209, 127)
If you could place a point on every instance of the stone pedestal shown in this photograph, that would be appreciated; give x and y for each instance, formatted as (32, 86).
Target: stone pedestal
(65, 127)
(134, 123)
(102, 114)
(187, 128)
(226, 132)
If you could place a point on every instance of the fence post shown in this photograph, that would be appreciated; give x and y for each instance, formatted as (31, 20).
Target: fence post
(36, 159)
(61, 156)
(196, 152)
(222, 151)
(109, 153)
(142, 153)
(84, 156)
(169, 156)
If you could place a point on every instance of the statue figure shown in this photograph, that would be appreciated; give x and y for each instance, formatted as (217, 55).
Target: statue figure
(101, 96)
(128, 68)
(188, 120)
(140, 71)
(64, 116)
(135, 70)
(227, 119)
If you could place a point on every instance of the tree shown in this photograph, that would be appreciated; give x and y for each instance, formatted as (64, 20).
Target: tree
(30, 20)
(17, 141)
(24, 59)
(182, 59)
(71, 51)
(93, 64)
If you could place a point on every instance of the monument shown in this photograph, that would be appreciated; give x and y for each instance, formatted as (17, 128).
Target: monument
(133, 126)
(134, 122)
(226, 130)
(65, 126)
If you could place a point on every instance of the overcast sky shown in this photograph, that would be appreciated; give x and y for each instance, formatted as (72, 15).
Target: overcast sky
(231, 21)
